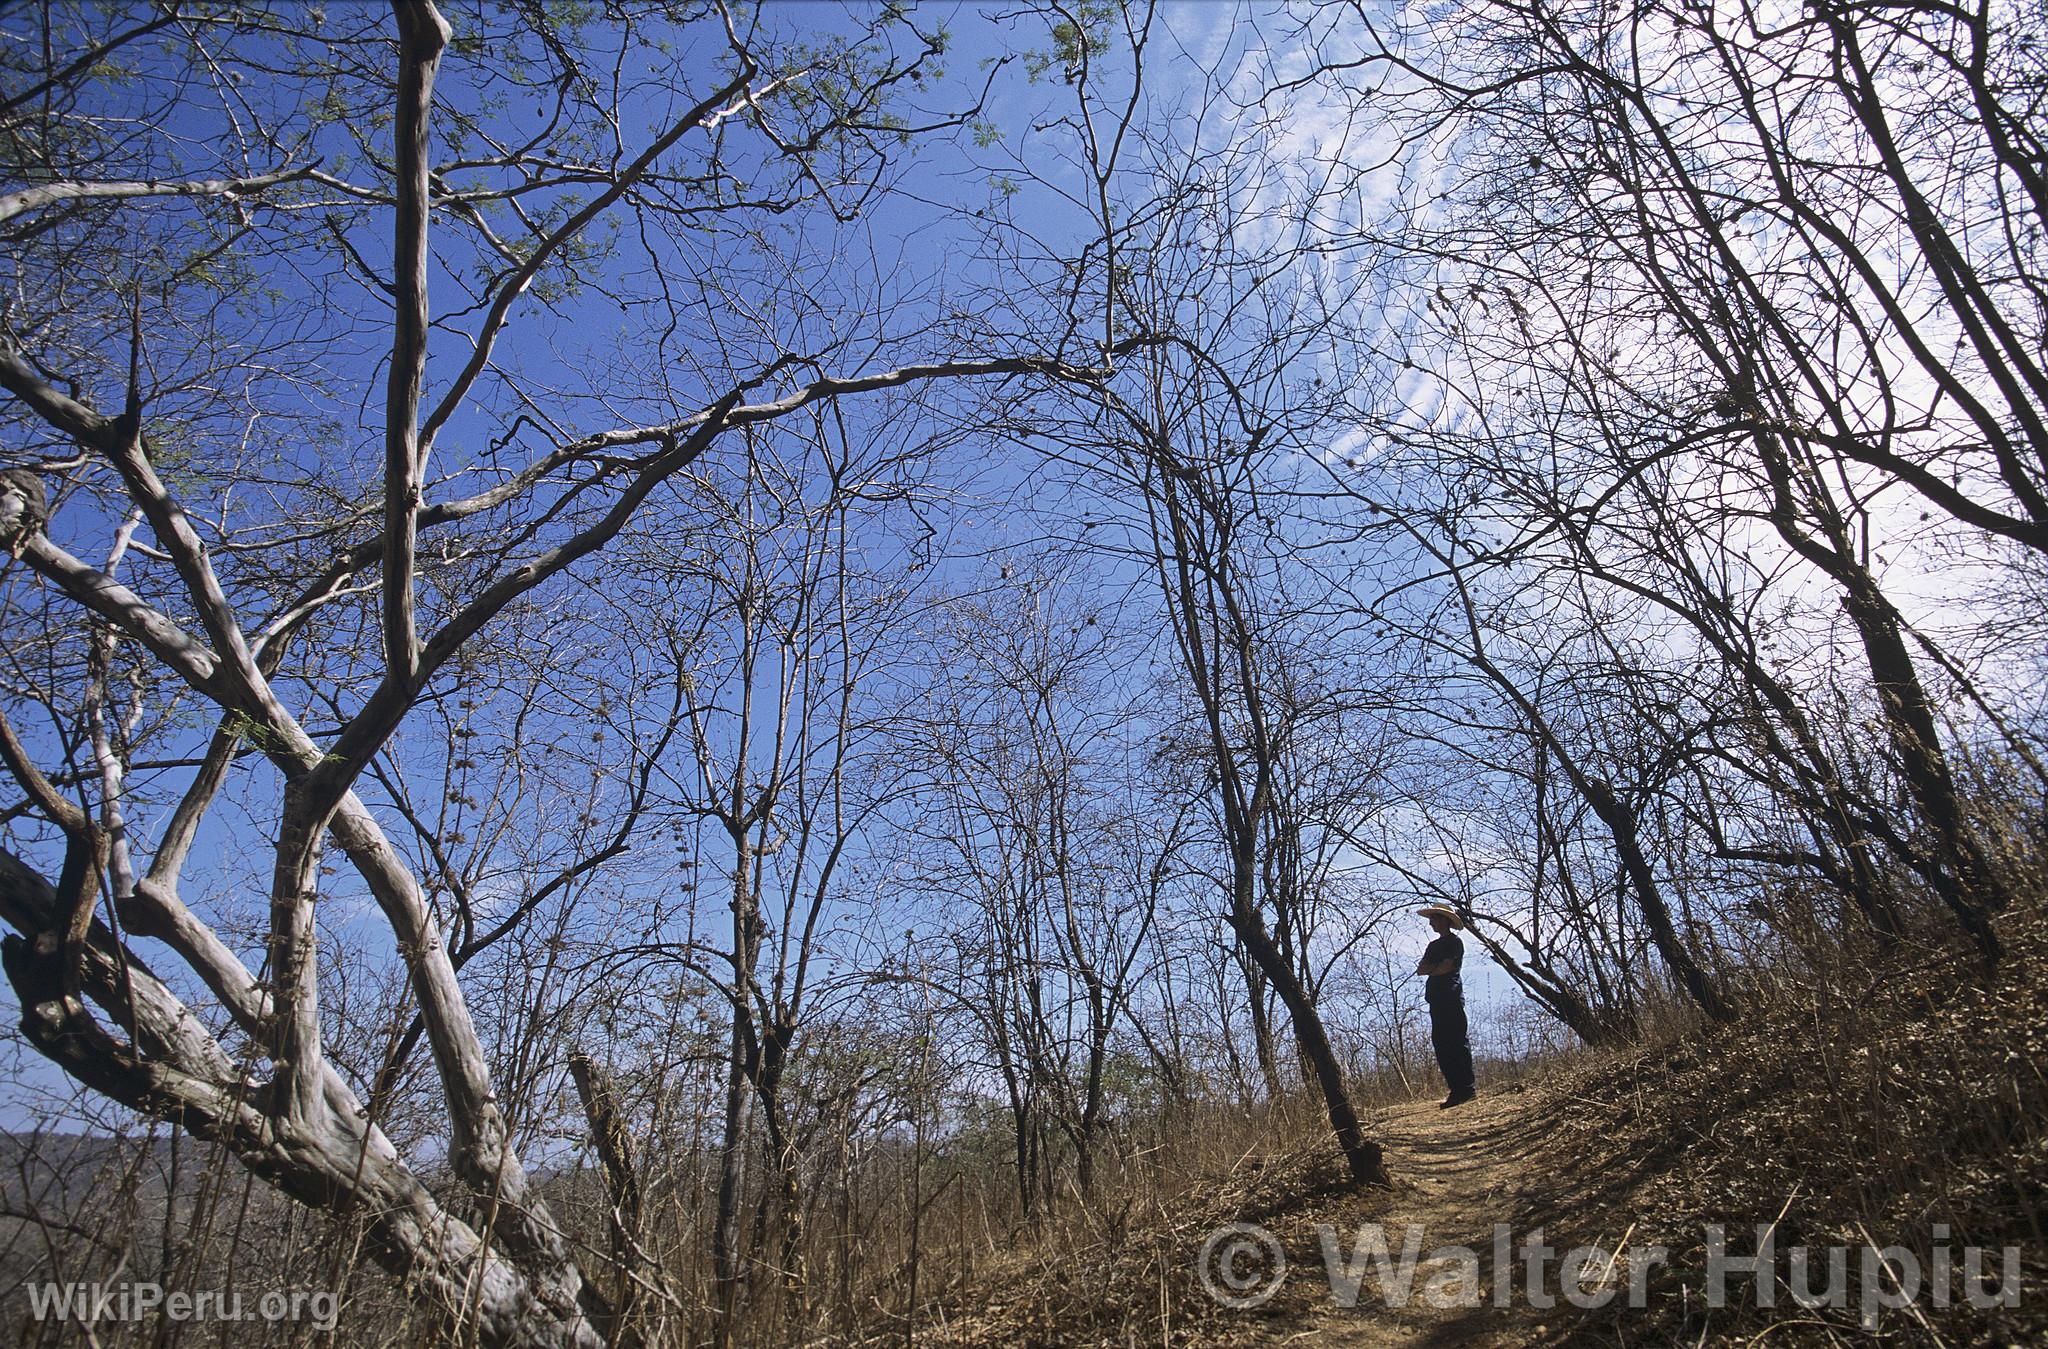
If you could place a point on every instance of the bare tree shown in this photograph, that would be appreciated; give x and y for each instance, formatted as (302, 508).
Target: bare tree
(1043, 834)
(176, 277)
(1709, 252)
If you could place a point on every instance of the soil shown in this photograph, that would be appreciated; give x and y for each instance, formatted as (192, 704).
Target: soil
(1458, 1176)
(1914, 1118)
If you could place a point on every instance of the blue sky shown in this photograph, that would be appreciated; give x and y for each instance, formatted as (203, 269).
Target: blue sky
(647, 326)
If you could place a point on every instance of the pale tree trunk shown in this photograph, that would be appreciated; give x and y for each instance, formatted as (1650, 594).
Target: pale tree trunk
(170, 1068)
(612, 1134)
(493, 1262)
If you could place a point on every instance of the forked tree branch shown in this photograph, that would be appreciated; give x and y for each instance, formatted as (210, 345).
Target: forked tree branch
(422, 35)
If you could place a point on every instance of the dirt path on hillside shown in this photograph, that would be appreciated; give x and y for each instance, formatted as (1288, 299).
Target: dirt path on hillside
(1458, 1174)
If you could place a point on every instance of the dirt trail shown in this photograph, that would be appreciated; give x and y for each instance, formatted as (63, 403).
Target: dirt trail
(1457, 1174)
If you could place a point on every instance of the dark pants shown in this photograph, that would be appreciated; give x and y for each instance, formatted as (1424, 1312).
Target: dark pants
(1453, 1049)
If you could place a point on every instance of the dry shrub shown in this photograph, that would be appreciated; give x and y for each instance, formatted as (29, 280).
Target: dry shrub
(1120, 1270)
(1855, 1101)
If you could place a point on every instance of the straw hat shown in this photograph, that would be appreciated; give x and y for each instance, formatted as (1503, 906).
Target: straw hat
(1439, 911)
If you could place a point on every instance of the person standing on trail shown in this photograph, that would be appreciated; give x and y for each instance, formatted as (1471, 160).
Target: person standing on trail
(1445, 993)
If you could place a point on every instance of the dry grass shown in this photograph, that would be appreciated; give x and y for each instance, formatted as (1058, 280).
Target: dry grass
(1859, 1101)
(1860, 1098)
(1122, 1270)
(1118, 1271)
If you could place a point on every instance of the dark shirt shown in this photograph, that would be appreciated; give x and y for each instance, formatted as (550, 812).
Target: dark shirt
(1445, 987)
